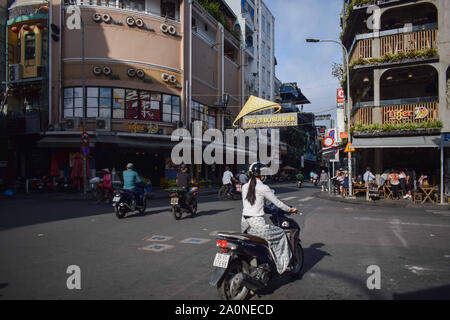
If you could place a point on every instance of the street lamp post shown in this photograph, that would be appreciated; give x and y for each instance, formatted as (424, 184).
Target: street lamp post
(83, 84)
(349, 157)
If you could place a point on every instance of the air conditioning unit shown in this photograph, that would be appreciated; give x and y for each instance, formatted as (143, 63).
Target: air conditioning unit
(103, 124)
(72, 124)
(14, 72)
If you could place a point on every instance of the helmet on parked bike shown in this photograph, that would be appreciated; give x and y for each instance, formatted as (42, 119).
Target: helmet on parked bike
(255, 169)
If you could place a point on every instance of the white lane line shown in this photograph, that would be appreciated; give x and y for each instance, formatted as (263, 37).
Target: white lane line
(403, 223)
(305, 199)
(397, 230)
(289, 198)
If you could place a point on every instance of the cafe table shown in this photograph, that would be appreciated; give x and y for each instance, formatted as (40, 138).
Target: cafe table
(428, 191)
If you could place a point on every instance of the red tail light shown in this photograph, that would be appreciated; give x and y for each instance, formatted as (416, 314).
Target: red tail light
(222, 243)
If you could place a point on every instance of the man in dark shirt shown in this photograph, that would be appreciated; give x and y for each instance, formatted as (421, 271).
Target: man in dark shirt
(183, 177)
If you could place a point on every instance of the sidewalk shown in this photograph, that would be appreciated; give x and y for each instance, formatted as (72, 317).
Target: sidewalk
(59, 196)
(402, 203)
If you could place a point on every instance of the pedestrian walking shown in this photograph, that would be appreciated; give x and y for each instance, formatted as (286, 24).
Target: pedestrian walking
(324, 181)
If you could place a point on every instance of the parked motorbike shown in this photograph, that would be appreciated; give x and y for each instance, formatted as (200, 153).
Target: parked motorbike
(236, 192)
(245, 262)
(124, 201)
(183, 200)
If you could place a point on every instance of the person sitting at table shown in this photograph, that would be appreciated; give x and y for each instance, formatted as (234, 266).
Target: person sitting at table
(394, 181)
(423, 180)
(358, 180)
(384, 179)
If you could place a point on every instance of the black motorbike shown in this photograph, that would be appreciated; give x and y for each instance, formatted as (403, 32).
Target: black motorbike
(245, 262)
(236, 192)
(183, 200)
(125, 201)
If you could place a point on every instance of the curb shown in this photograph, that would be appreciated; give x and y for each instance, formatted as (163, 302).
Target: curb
(379, 203)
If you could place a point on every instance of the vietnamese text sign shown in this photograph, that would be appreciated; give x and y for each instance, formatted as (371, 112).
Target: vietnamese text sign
(270, 120)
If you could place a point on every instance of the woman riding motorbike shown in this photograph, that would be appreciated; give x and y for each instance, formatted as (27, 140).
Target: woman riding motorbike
(253, 195)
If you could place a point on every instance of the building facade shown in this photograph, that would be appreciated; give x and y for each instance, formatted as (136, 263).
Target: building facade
(398, 82)
(149, 67)
(257, 26)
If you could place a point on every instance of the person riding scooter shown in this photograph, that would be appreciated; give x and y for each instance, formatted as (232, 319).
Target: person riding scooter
(184, 181)
(253, 195)
(300, 179)
(131, 181)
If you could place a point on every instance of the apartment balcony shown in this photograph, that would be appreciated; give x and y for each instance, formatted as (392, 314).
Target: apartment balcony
(411, 45)
(159, 8)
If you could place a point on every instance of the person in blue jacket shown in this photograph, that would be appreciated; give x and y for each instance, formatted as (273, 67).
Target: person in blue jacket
(131, 180)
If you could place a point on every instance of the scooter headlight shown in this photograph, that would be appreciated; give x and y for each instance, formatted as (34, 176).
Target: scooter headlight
(285, 224)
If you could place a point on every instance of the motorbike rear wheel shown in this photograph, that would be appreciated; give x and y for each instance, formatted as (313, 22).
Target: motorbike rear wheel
(176, 213)
(227, 288)
(222, 195)
(119, 213)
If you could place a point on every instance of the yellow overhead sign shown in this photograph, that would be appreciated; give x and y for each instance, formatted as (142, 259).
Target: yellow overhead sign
(255, 104)
(270, 120)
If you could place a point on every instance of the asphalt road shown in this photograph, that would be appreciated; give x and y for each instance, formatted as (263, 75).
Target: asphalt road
(39, 240)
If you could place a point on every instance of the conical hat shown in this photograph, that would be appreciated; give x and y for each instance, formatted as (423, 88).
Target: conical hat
(255, 104)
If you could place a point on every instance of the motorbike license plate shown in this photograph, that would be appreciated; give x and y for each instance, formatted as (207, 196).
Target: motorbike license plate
(115, 199)
(238, 188)
(221, 260)
(174, 201)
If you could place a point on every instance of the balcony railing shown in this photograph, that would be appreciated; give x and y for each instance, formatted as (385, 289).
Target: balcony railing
(420, 40)
(364, 116)
(395, 43)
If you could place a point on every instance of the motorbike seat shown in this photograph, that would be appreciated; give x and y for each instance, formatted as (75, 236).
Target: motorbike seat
(242, 237)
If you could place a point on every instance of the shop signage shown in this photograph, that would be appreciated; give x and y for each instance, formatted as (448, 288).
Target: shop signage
(142, 128)
(400, 115)
(270, 120)
(349, 148)
(340, 98)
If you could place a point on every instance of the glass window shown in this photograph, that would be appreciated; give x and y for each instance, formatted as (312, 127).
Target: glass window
(132, 104)
(105, 103)
(92, 102)
(118, 103)
(155, 106)
(167, 108)
(168, 9)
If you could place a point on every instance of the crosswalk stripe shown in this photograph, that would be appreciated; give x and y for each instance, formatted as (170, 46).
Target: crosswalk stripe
(305, 199)
(288, 198)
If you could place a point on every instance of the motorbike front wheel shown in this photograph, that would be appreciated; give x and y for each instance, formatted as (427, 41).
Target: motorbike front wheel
(144, 206)
(229, 289)
(298, 260)
(194, 207)
(176, 213)
(222, 193)
(119, 213)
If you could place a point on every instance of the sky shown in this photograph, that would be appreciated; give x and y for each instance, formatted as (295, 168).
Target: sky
(308, 64)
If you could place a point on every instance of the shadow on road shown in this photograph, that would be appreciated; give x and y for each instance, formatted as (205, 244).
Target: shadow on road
(311, 257)
(437, 293)
(3, 285)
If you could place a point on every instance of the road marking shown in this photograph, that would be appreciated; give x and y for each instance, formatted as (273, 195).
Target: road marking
(440, 212)
(305, 199)
(195, 241)
(158, 238)
(289, 198)
(396, 229)
(403, 223)
(214, 233)
(156, 247)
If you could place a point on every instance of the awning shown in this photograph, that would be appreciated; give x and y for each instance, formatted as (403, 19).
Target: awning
(397, 142)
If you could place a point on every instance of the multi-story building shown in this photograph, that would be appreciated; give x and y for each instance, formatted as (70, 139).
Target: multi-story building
(257, 26)
(150, 66)
(299, 147)
(398, 82)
